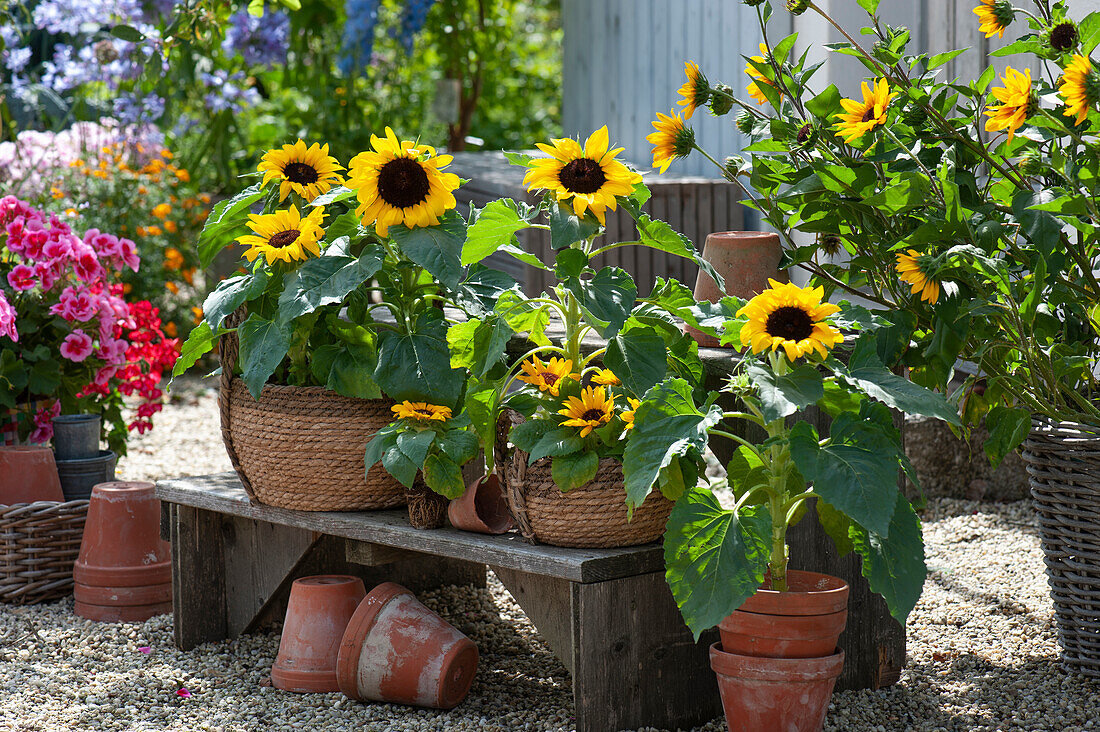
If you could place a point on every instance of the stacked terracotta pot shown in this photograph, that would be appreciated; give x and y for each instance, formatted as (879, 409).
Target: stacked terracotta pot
(124, 571)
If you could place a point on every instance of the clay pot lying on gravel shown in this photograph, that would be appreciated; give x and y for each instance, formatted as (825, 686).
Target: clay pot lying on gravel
(124, 571)
(398, 651)
(28, 474)
(317, 615)
(481, 508)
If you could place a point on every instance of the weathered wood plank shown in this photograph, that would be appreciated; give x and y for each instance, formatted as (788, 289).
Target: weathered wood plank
(547, 602)
(198, 577)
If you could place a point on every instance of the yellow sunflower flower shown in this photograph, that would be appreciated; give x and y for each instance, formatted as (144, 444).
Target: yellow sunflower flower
(1080, 88)
(673, 139)
(593, 409)
(1016, 102)
(863, 116)
(308, 171)
(549, 375)
(400, 182)
(758, 78)
(284, 235)
(994, 16)
(628, 415)
(695, 91)
(605, 377)
(911, 269)
(790, 316)
(592, 177)
(421, 411)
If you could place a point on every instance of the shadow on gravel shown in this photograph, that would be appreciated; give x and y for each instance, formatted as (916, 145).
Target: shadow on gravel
(994, 603)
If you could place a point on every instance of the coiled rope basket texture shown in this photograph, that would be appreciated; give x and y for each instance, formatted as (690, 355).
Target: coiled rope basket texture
(301, 447)
(591, 516)
(1063, 464)
(39, 543)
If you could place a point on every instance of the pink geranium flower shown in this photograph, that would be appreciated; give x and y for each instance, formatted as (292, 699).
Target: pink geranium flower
(7, 319)
(75, 305)
(22, 277)
(77, 346)
(183, 692)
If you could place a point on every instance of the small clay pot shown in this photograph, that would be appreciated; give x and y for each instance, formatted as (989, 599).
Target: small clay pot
(482, 508)
(317, 615)
(122, 545)
(76, 436)
(803, 622)
(746, 260)
(775, 694)
(28, 474)
(123, 596)
(398, 651)
(121, 614)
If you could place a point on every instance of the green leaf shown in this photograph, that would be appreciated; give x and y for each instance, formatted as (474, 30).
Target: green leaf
(231, 293)
(417, 365)
(224, 219)
(516, 158)
(527, 434)
(1089, 30)
(495, 227)
(524, 316)
(781, 396)
(555, 442)
(337, 194)
(127, 33)
(745, 470)
(399, 465)
(1042, 228)
(871, 6)
(478, 345)
(1007, 429)
(570, 263)
(826, 103)
(325, 281)
(606, 299)
(574, 470)
(638, 358)
(351, 372)
(905, 193)
(264, 344)
(44, 377)
(459, 445)
(385, 439)
(437, 249)
(894, 567)
(566, 229)
(836, 525)
(199, 342)
(658, 235)
(444, 476)
(415, 445)
(715, 559)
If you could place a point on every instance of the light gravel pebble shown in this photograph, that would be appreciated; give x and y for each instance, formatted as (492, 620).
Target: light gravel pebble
(982, 646)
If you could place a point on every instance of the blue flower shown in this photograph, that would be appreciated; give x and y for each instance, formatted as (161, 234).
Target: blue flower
(259, 41)
(413, 18)
(358, 41)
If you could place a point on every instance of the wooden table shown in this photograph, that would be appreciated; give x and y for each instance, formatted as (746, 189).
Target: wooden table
(607, 613)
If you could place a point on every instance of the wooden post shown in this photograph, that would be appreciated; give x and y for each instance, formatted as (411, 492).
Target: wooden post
(198, 577)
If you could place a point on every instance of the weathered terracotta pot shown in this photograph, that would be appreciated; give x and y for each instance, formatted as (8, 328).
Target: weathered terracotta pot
(482, 508)
(28, 474)
(396, 650)
(317, 615)
(123, 596)
(746, 260)
(775, 694)
(804, 622)
(122, 545)
(122, 614)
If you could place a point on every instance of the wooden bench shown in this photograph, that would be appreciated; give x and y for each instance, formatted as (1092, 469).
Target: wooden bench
(606, 613)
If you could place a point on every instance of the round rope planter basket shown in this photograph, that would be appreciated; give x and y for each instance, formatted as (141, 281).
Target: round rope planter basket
(39, 543)
(301, 447)
(592, 516)
(1063, 464)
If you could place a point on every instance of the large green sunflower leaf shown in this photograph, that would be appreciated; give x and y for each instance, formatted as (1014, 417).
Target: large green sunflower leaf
(894, 567)
(225, 221)
(606, 299)
(781, 396)
(417, 366)
(231, 293)
(637, 357)
(437, 249)
(264, 344)
(496, 226)
(325, 281)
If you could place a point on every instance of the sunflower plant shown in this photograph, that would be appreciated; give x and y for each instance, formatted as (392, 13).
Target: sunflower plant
(724, 541)
(963, 210)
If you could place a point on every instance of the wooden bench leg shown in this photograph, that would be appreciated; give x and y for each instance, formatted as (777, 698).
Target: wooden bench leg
(198, 577)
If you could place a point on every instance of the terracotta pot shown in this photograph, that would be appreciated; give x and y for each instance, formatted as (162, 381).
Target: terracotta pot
(396, 650)
(746, 260)
(124, 614)
(804, 622)
(775, 694)
(123, 596)
(122, 545)
(482, 508)
(28, 474)
(317, 615)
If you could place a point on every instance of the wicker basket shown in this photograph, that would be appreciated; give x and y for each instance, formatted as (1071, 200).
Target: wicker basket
(301, 447)
(1063, 462)
(39, 543)
(592, 516)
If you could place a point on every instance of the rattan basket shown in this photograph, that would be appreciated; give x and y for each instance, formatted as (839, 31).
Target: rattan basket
(39, 543)
(1063, 463)
(592, 516)
(301, 447)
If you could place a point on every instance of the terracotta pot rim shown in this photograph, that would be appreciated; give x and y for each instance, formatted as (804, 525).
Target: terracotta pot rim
(304, 682)
(328, 579)
(112, 614)
(359, 627)
(794, 623)
(831, 598)
(779, 670)
(744, 235)
(133, 576)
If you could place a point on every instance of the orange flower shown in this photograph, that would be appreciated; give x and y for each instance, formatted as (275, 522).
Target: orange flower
(140, 231)
(170, 329)
(166, 154)
(99, 174)
(188, 275)
(153, 231)
(173, 258)
(127, 288)
(204, 197)
(143, 190)
(183, 175)
(56, 192)
(162, 210)
(197, 313)
(172, 287)
(171, 227)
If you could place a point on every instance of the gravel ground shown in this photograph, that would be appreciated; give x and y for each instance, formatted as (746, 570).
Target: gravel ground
(982, 647)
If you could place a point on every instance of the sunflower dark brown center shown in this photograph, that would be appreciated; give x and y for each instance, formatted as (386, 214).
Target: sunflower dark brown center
(790, 323)
(593, 415)
(284, 238)
(1063, 37)
(869, 114)
(402, 183)
(301, 173)
(548, 378)
(425, 412)
(582, 175)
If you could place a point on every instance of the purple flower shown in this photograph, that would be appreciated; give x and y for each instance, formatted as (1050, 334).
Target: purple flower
(259, 41)
(228, 92)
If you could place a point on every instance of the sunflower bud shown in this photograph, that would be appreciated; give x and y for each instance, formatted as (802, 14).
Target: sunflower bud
(753, 3)
(1002, 10)
(807, 135)
(1062, 38)
(734, 164)
(745, 123)
(798, 7)
(1031, 163)
(721, 101)
(829, 244)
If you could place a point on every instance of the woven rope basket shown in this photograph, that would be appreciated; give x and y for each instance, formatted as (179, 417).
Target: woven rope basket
(39, 543)
(1063, 462)
(301, 447)
(592, 516)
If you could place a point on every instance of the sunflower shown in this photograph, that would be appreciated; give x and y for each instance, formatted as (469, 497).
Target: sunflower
(400, 182)
(912, 268)
(758, 78)
(1016, 102)
(790, 316)
(1080, 88)
(695, 91)
(308, 171)
(605, 377)
(863, 116)
(594, 408)
(421, 411)
(1063, 37)
(994, 15)
(672, 139)
(547, 376)
(592, 177)
(628, 415)
(284, 235)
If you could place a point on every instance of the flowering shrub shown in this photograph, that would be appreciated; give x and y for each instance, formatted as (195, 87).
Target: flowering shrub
(67, 333)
